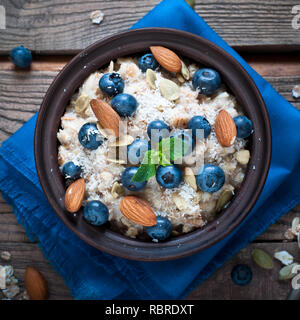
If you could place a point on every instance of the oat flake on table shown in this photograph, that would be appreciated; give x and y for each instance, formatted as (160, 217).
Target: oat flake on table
(97, 16)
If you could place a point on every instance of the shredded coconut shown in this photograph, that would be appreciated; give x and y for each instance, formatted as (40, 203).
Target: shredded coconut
(100, 174)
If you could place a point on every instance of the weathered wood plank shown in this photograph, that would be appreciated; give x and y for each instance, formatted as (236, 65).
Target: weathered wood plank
(264, 285)
(218, 286)
(10, 230)
(24, 254)
(277, 230)
(20, 97)
(64, 26)
(21, 92)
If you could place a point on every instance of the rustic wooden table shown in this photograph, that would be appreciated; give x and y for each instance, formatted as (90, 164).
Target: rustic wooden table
(55, 30)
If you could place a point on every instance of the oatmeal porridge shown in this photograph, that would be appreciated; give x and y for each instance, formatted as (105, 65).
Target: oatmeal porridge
(138, 198)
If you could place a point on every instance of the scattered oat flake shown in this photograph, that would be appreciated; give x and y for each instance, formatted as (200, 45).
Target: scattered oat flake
(284, 257)
(97, 16)
(25, 295)
(295, 224)
(296, 91)
(289, 235)
(11, 291)
(5, 255)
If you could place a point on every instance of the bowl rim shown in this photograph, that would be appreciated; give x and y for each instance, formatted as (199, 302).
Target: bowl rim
(133, 249)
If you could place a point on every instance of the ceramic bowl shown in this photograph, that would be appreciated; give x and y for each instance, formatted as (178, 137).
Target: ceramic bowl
(134, 42)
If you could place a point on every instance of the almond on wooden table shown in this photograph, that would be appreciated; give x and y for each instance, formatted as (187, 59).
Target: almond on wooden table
(74, 195)
(166, 58)
(36, 285)
(106, 115)
(138, 211)
(225, 129)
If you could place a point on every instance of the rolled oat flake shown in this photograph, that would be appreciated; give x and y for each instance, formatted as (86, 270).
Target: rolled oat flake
(5, 255)
(296, 91)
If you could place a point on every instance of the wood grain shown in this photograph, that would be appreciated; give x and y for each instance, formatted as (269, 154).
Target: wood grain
(21, 94)
(25, 254)
(264, 285)
(61, 26)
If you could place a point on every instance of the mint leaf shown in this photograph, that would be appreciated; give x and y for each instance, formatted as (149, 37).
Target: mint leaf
(147, 169)
(145, 172)
(172, 148)
(163, 160)
(169, 150)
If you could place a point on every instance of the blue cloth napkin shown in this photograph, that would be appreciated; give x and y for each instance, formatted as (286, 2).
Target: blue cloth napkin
(91, 274)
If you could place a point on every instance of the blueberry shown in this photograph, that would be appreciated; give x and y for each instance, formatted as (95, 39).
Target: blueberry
(211, 178)
(244, 126)
(137, 150)
(241, 275)
(124, 104)
(161, 231)
(189, 142)
(127, 175)
(71, 171)
(199, 122)
(206, 80)
(162, 130)
(90, 137)
(21, 57)
(95, 213)
(169, 176)
(111, 84)
(147, 61)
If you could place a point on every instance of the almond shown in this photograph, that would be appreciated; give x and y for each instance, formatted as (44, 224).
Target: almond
(138, 211)
(36, 285)
(167, 58)
(106, 115)
(74, 195)
(225, 129)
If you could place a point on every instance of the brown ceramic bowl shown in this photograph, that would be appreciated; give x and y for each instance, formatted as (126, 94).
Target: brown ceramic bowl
(135, 42)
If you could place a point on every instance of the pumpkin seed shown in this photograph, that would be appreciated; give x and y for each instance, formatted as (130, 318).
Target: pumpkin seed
(180, 78)
(122, 141)
(224, 198)
(151, 78)
(190, 178)
(102, 130)
(111, 67)
(242, 156)
(117, 190)
(169, 89)
(262, 259)
(81, 104)
(288, 272)
(185, 71)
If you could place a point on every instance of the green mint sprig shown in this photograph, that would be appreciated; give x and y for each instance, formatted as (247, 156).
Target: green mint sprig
(168, 151)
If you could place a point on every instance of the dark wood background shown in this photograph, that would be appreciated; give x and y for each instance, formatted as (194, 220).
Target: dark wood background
(55, 30)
